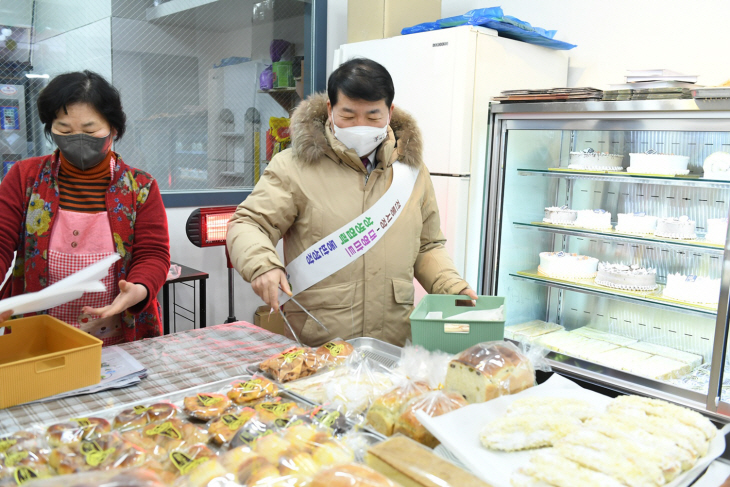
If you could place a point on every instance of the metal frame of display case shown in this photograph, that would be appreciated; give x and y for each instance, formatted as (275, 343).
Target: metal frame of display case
(655, 115)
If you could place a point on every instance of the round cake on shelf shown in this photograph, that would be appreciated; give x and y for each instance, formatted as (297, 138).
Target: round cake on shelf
(717, 166)
(560, 215)
(590, 160)
(561, 265)
(652, 162)
(692, 289)
(594, 219)
(629, 278)
(716, 230)
(681, 228)
(636, 223)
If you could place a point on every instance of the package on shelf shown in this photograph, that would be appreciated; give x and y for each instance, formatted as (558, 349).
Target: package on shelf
(418, 364)
(138, 477)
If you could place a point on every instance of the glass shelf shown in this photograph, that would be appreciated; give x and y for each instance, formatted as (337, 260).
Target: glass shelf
(624, 177)
(649, 298)
(698, 245)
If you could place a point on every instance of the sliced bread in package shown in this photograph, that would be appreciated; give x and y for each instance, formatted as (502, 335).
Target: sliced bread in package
(492, 369)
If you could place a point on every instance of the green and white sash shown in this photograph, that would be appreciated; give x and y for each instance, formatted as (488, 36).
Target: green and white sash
(348, 243)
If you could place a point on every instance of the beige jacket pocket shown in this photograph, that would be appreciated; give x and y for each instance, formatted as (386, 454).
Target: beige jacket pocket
(403, 291)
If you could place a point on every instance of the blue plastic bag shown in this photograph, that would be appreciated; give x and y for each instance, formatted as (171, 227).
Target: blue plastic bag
(494, 18)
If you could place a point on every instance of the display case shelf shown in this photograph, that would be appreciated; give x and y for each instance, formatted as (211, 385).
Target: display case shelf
(652, 299)
(622, 177)
(612, 235)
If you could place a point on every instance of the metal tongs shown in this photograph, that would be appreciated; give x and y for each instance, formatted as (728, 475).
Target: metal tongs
(291, 329)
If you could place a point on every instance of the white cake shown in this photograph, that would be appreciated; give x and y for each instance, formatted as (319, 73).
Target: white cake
(622, 358)
(716, 230)
(529, 331)
(567, 266)
(636, 223)
(663, 368)
(692, 289)
(691, 359)
(590, 160)
(651, 162)
(681, 228)
(629, 278)
(589, 332)
(575, 345)
(594, 219)
(560, 215)
(717, 166)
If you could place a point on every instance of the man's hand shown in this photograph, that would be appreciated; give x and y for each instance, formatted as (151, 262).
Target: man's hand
(4, 316)
(129, 295)
(266, 286)
(470, 293)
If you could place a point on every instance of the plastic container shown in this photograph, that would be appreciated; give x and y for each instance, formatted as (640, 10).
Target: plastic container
(43, 356)
(454, 336)
(283, 74)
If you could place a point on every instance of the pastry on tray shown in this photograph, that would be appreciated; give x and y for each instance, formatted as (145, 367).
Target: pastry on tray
(291, 364)
(249, 390)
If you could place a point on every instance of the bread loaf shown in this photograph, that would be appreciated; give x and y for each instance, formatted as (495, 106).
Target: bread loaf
(385, 409)
(434, 404)
(488, 370)
(412, 465)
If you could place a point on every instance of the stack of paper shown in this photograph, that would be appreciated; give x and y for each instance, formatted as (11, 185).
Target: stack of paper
(118, 369)
(652, 84)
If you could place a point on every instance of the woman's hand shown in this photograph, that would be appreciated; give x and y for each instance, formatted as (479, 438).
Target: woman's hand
(129, 295)
(4, 316)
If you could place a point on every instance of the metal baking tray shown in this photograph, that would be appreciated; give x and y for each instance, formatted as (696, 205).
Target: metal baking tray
(382, 352)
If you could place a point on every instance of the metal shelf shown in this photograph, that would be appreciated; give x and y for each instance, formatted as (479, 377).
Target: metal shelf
(619, 177)
(612, 235)
(652, 299)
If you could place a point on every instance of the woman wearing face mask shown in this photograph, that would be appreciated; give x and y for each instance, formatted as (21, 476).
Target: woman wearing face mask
(67, 210)
(349, 147)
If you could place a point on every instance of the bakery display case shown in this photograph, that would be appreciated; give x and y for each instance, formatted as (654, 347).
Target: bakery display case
(606, 233)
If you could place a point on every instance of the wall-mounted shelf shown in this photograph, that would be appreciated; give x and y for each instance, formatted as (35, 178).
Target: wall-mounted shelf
(288, 98)
(648, 298)
(612, 235)
(623, 177)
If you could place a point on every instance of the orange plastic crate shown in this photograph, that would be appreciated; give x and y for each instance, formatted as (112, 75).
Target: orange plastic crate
(43, 356)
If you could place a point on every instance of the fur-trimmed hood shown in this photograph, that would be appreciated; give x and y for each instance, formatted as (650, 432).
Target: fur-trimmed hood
(309, 137)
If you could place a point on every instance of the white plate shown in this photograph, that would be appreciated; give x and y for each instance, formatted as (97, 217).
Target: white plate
(459, 431)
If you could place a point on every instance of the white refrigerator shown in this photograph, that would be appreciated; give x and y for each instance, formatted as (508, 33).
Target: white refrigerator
(445, 79)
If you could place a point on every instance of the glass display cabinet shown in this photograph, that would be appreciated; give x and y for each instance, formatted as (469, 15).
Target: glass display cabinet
(632, 341)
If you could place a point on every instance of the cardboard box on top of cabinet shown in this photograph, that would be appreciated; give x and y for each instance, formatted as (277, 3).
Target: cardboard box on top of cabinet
(379, 19)
(273, 323)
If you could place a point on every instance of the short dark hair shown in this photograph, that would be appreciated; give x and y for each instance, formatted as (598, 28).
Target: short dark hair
(81, 87)
(361, 79)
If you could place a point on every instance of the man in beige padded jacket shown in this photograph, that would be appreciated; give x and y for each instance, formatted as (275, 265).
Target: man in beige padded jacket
(339, 166)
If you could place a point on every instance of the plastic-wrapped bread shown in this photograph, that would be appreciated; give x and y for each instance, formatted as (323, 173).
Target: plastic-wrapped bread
(691, 359)
(488, 370)
(531, 330)
(385, 410)
(351, 475)
(412, 465)
(291, 364)
(434, 403)
(333, 353)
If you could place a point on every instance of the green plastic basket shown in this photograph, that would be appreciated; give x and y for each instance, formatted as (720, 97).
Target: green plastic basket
(454, 336)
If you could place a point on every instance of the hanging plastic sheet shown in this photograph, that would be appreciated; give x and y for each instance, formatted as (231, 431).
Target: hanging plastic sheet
(494, 18)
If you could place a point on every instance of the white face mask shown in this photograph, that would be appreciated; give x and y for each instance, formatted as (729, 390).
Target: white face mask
(362, 138)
